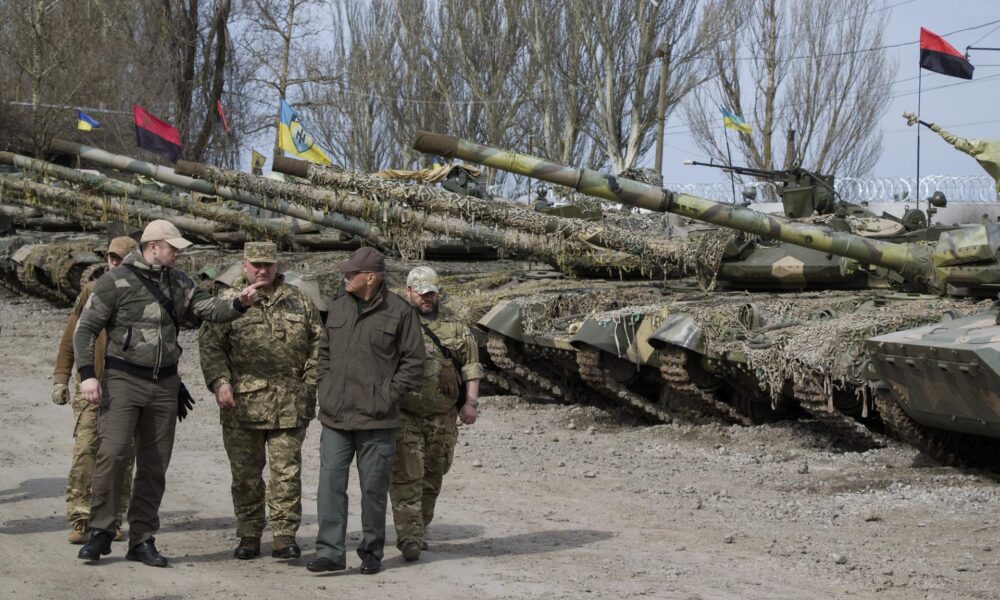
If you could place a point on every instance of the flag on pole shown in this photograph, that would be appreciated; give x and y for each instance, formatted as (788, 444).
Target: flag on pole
(941, 57)
(293, 137)
(155, 135)
(221, 116)
(257, 161)
(733, 121)
(85, 122)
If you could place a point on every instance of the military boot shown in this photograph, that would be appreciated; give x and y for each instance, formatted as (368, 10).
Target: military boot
(285, 547)
(98, 545)
(411, 551)
(248, 548)
(80, 532)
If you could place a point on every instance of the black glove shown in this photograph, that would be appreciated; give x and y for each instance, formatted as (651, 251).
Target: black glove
(185, 402)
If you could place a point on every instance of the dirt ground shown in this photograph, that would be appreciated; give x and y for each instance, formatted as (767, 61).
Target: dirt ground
(544, 501)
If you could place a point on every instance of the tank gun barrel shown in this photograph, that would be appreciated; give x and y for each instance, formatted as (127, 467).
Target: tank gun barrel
(407, 220)
(170, 176)
(910, 260)
(667, 254)
(114, 187)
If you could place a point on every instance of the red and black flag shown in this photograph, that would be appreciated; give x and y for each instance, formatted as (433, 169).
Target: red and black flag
(939, 56)
(221, 116)
(155, 135)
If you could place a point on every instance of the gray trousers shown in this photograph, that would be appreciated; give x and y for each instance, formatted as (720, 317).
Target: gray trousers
(133, 406)
(375, 449)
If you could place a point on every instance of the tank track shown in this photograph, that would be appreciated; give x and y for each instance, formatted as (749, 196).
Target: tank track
(517, 378)
(835, 424)
(589, 361)
(90, 273)
(692, 397)
(26, 277)
(66, 286)
(946, 447)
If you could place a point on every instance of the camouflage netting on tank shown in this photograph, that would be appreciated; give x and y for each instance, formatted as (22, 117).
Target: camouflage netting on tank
(705, 252)
(140, 203)
(815, 341)
(655, 256)
(394, 221)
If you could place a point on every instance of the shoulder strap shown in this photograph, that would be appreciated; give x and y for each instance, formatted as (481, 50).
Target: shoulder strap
(152, 288)
(437, 342)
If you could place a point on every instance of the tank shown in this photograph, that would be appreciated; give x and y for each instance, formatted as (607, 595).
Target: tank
(795, 348)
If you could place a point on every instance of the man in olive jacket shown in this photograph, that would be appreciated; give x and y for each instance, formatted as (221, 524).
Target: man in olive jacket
(138, 390)
(371, 355)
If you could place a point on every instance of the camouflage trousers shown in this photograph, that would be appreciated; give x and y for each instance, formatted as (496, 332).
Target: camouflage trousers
(247, 450)
(424, 453)
(80, 480)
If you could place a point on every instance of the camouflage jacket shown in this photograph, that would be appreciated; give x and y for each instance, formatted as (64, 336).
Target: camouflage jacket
(140, 331)
(64, 357)
(437, 395)
(268, 356)
(986, 152)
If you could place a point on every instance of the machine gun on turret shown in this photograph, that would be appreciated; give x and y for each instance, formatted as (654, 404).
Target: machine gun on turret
(802, 192)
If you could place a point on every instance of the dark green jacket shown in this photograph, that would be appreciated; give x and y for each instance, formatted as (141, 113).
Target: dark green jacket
(368, 362)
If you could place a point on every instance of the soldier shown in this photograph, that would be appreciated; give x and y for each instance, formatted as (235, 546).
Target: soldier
(262, 370)
(81, 470)
(986, 152)
(370, 357)
(140, 305)
(426, 445)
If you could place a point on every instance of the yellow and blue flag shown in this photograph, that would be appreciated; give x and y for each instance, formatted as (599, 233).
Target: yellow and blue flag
(293, 137)
(734, 122)
(85, 122)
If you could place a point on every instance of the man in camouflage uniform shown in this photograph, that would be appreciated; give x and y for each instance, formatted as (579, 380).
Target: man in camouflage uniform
(262, 369)
(86, 440)
(139, 304)
(429, 430)
(986, 152)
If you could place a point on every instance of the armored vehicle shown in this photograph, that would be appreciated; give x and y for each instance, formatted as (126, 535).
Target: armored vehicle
(852, 351)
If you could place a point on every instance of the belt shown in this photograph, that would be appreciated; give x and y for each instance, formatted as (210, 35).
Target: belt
(151, 373)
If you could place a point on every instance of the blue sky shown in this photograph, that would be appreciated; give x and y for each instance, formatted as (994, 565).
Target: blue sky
(969, 109)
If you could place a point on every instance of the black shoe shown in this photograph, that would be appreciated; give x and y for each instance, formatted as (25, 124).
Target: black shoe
(98, 545)
(322, 563)
(424, 546)
(147, 554)
(370, 564)
(411, 551)
(285, 547)
(248, 548)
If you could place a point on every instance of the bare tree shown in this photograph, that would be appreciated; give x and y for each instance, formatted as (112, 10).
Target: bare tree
(619, 45)
(817, 68)
(278, 37)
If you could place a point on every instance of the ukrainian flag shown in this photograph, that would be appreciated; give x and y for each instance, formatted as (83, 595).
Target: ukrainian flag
(85, 122)
(734, 122)
(293, 137)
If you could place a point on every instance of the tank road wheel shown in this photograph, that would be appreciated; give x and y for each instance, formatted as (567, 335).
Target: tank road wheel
(946, 447)
(91, 273)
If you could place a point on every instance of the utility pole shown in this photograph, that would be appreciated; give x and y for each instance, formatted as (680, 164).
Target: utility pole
(663, 53)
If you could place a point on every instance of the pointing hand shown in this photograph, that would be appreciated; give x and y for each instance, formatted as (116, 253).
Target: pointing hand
(249, 295)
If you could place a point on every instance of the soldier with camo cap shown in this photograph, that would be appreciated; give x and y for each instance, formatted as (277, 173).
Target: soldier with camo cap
(86, 440)
(429, 432)
(262, 370)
